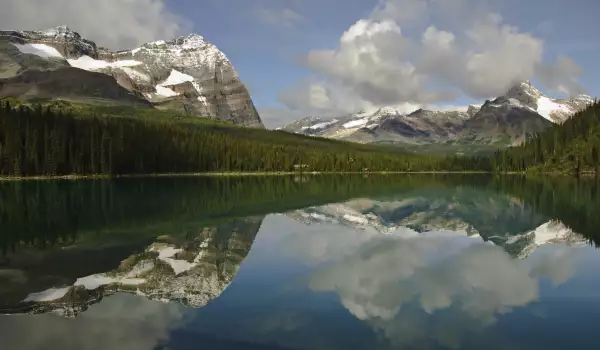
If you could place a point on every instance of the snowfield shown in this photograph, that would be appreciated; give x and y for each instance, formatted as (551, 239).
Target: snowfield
(176, 77)
(546, 107)
(41, 50)
(88, 63)
(356, 123)
(165, 91)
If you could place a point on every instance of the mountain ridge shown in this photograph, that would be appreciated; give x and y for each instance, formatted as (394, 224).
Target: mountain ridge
(505, 120)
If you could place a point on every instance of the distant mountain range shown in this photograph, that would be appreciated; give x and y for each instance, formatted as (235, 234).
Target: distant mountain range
(186, 73)
(503, 121)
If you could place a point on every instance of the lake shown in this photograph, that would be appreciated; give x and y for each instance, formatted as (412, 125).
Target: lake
(300, 262)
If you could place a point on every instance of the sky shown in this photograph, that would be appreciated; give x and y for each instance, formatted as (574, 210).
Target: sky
(302, 58)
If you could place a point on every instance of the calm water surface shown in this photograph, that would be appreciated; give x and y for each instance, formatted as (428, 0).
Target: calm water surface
(329, 262)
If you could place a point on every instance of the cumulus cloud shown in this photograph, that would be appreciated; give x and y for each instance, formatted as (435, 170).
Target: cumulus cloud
(561, 76)
(112, 23)
(322, 99)
(411, 51)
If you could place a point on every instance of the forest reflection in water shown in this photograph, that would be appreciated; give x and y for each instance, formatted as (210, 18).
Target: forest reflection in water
(415, 261)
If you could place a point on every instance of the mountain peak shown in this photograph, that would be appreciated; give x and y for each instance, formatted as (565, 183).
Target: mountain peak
(60, 30)
(472, 109)
(524, 93)
(524, 87)
(189, 41)
(385, 111)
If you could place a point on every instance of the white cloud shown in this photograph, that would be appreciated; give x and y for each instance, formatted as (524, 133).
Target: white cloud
(409, 51)
(314, 97)
(111, 23)
(561, 76)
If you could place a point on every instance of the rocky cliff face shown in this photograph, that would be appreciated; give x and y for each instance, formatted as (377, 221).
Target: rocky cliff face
(186, 73)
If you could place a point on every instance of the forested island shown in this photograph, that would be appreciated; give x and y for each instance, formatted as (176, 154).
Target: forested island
(60, 139)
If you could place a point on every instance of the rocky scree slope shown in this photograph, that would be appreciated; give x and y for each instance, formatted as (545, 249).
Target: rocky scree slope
(187, 73)
(506, 120)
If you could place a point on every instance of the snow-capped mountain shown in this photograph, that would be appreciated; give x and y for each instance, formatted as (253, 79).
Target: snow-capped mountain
(523, 109)
(192, 272)
(186, 73)
(525, 95)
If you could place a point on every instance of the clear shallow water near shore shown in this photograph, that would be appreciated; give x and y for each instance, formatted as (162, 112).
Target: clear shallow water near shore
(321, 262)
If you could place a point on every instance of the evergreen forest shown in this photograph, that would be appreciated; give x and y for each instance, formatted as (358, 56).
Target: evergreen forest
(571, 148)
(64, 139)
(50, 141)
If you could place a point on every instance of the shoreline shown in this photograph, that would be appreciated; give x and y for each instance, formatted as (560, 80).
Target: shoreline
(74, 177)
(226, 174)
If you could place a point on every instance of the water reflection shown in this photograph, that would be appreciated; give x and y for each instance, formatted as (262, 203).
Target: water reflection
(190, 269)
(120, 322)
(475, 213)
(414, 290)
(430, 264)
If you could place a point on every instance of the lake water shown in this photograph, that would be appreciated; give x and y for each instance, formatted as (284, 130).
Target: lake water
(300, 262)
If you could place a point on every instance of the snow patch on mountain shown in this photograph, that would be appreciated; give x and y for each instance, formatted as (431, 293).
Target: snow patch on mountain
(136, 75)
(176, 77)
(356, 123)
(42, 50)
(546, 107)
(157, 43)
(91, 64)
(165, 91)
(323, 125)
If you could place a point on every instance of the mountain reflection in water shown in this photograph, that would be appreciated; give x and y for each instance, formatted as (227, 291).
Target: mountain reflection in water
(423, 262)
